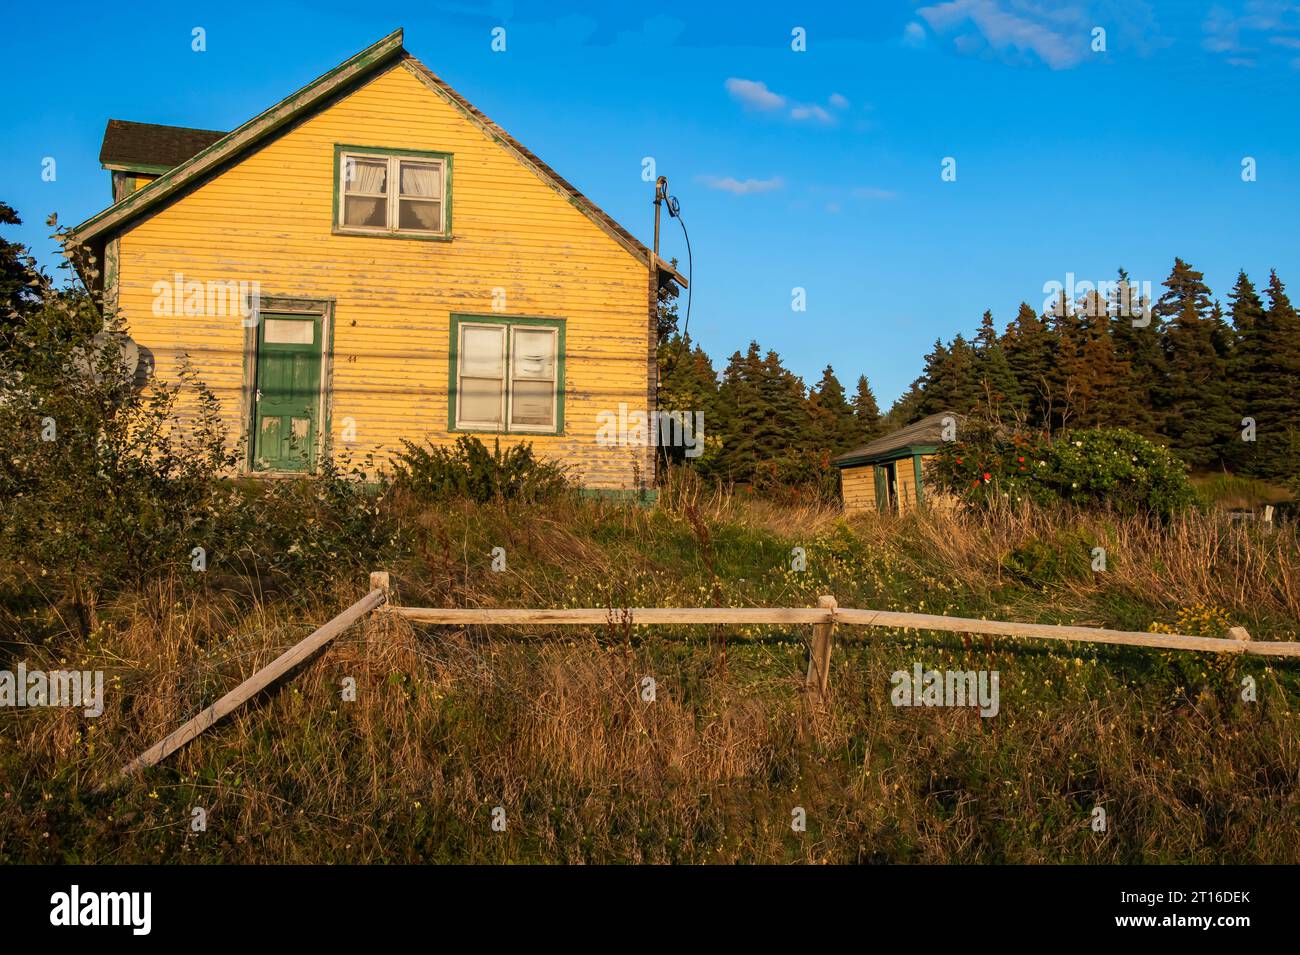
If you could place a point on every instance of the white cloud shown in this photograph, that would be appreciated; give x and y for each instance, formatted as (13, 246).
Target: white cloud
(813, 112)
(1240, 28)
(754, 95)
(914, 34)
(741, 187)
(1018, 27)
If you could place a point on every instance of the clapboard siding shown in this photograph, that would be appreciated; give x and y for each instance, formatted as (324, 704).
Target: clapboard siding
(269, 219)
(859, 488)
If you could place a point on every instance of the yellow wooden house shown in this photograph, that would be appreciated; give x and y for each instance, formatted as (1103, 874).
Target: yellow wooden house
(892, 474)
(373, 259)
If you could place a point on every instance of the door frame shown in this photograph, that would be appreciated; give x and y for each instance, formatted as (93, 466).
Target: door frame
(322, 308)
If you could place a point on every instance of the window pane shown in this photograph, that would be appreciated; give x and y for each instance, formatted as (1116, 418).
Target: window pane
(534, 354)
(369, 213)
(419, 214)
(479, 401)
(532, 403)
(481, 351)
(421, 179)
(367, 176)
(288, 331)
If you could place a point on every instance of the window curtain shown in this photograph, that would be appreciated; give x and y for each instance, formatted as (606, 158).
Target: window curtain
(367, 177)
(419, 180)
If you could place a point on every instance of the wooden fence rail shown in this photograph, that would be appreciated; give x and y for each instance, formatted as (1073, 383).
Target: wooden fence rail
(823, 619)
(650, 616)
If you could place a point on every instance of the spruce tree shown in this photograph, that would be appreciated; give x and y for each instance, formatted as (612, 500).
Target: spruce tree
(1028, 343)
(1244, 363)
(831, 423)
(1200, 420)
(997, 391)
(1276, 379)
(866, 413)
(1137, 340)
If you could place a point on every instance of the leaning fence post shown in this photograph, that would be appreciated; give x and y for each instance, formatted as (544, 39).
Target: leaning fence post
(375, 628)
(819, 659)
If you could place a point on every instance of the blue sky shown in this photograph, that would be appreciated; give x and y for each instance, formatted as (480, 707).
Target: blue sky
(818, 169)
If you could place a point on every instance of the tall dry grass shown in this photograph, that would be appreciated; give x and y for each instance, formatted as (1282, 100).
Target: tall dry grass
(449, 724)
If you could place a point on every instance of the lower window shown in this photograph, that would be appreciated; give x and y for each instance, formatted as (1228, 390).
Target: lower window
(507, 374)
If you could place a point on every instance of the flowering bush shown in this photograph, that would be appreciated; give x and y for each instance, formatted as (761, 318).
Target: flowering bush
(1109, 467)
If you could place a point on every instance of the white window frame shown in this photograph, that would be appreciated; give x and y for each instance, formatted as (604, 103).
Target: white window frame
(554, 379)
(393, 182)
(507, 330)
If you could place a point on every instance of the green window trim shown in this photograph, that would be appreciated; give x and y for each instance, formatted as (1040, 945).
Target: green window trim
(508, 322)
(342, 149)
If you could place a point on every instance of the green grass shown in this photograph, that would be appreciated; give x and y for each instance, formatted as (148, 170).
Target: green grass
(549, 725)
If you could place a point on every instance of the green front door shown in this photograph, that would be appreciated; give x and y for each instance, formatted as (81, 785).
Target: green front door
(286, 416)
(882, 488)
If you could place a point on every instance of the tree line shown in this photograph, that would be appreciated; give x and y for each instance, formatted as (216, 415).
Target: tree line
(1220, 386)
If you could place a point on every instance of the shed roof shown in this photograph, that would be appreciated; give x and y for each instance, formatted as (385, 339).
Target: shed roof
(130, 146)
(926, 433)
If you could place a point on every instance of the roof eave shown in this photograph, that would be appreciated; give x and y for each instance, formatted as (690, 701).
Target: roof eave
(236, 141)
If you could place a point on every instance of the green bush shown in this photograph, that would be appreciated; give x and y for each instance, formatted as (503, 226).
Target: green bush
(1098, 467)
(468, 470)
(100, 482)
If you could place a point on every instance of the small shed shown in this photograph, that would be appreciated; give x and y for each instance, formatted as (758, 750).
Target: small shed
(889, 473)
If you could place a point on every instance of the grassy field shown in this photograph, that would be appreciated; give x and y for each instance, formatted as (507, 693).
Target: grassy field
(449, 724)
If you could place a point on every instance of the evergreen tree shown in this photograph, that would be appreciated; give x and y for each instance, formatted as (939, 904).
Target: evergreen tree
(998, 393)
(1200, 420)
(1030, 355)
(1136, 337)
(1276, 380)
(1247, 311)
(1069, 327)
(935, 384)
(831, 424)
(765, 419)
(17, 294)
(688, 384)
(866, 413)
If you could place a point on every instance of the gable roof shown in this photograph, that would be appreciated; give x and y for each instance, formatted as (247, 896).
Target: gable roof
(148, 147)
(233, 145)
(926, 433)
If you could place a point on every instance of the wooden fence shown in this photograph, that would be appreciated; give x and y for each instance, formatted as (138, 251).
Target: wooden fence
(823, 619)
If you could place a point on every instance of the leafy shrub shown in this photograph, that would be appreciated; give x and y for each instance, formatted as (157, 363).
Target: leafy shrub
(1099, 467)
(100, 482)
(1187, 670)
(468, 470)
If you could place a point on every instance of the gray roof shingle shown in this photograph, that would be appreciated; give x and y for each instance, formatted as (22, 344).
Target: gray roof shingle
(147, 144)
(924, 433)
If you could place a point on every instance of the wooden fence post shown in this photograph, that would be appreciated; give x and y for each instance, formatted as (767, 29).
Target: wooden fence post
(819, 659)
(375, 627)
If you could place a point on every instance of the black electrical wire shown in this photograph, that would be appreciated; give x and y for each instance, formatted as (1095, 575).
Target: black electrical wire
(674, 210)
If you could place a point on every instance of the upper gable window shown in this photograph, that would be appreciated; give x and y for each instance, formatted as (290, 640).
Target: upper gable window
(397, 192)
